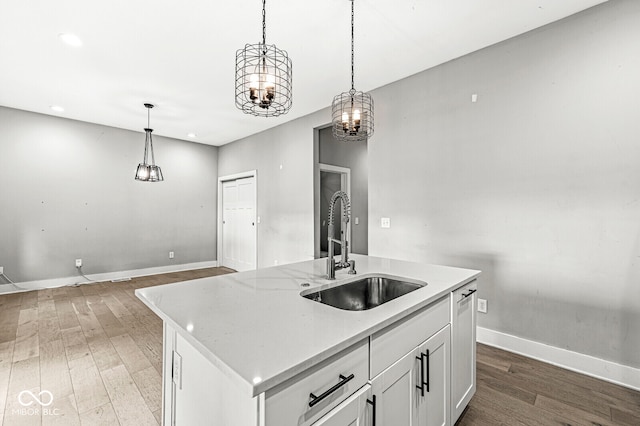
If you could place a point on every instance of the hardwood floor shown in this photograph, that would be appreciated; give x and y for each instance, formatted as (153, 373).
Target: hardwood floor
(98, 350)
(516, 390)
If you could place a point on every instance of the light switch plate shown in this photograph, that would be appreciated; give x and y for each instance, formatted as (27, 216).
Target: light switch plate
(385, 222)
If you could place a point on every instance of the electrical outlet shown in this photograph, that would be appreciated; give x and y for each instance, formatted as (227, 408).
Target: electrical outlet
(177, 369)
(78, 263)
(170, 255)
(482, 305)
(1, 270)
(385, 222)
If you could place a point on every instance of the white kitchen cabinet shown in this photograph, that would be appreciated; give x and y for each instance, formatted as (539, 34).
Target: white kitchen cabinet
(396, 392)
(357, 410)
(463, 347)
(433, 409)
(415, 390)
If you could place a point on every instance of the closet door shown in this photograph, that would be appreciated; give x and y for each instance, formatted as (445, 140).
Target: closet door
(238, 224)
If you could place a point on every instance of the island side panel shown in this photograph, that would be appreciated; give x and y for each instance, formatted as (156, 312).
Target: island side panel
(200, 392)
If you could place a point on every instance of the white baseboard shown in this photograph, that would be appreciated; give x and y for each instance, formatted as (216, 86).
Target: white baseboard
(108, 276)
(585, 364)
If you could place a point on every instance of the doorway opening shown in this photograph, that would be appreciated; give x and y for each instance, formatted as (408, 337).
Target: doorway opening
(340, 166)
(333, 179)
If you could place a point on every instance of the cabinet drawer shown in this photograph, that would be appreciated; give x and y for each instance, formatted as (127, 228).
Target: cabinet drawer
(392, 343)
(288, 403)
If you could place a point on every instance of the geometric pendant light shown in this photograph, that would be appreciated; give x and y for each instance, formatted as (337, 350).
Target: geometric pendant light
(352, 111)
(263, 77)
(148, 171)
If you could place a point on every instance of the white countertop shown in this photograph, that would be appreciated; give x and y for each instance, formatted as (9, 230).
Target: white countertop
(255, 327)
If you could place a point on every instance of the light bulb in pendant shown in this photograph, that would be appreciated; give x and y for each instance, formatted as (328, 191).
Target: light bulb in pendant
(269, 88)
(356, 119)
(254, 87)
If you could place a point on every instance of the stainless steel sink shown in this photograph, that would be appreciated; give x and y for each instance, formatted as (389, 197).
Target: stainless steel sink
(365, 293)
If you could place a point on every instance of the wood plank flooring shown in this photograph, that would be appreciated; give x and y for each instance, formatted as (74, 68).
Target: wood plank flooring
(98, 350)
(516, 390)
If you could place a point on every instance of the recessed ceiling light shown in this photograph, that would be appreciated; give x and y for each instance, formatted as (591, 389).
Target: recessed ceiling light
(56, 108)
(191, 135)
(70, 39)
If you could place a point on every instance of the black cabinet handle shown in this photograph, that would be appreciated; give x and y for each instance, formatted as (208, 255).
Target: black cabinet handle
(421, 387)
(423, 384)
(373, 405)
(317, 399)
(470, 293)
(428, 376)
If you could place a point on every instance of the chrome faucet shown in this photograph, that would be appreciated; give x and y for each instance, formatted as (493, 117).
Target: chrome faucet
(344, 260)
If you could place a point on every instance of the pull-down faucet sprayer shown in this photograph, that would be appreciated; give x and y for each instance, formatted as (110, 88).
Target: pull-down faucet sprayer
(344, 259)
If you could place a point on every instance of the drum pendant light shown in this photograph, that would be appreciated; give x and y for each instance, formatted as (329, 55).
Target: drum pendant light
(148, 172)
(263, 77)
(352, 111)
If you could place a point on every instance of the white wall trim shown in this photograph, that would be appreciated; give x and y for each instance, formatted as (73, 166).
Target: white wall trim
(585, 364)
(107, 276)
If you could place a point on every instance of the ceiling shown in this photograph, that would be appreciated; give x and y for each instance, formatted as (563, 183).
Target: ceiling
(181, 55)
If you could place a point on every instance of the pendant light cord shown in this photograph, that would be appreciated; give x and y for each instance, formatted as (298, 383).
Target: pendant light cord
(352, 49)
(264, 23)
(153, 157)
(146, 137)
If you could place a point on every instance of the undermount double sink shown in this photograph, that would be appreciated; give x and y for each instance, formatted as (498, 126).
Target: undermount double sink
(364, 293)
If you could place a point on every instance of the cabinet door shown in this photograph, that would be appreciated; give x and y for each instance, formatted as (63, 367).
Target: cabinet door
(354, 411)
(433, 409)
(463, 348)
(396, 392)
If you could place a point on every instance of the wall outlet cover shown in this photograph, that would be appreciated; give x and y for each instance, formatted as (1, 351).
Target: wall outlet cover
(385, 222)
(1, 270)
(171, 255)
(482, 305)
(78, 263)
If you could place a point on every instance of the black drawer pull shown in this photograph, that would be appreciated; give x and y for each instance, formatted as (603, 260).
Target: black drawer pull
(470, 293)
(317, 399)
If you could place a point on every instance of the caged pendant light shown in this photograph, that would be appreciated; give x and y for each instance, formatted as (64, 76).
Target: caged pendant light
(352, 111)
(148, 172)
(263, 77)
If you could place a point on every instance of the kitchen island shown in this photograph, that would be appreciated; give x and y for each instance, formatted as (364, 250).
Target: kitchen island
(248, 349)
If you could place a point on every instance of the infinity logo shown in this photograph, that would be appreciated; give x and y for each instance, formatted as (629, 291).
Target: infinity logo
(39, 399)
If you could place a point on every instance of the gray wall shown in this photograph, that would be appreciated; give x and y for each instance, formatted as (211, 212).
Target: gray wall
(537, 184)
(285, 195)
(354, 156)
(67, 191)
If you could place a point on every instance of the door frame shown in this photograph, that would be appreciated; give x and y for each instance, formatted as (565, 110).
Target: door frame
(227, 178)
(345, 182)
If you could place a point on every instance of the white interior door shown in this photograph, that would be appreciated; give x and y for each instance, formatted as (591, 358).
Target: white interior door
(238, 224)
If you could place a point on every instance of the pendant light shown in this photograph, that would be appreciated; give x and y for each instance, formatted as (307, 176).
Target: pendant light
(148, 172)
(263, 77)
(352, 111)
